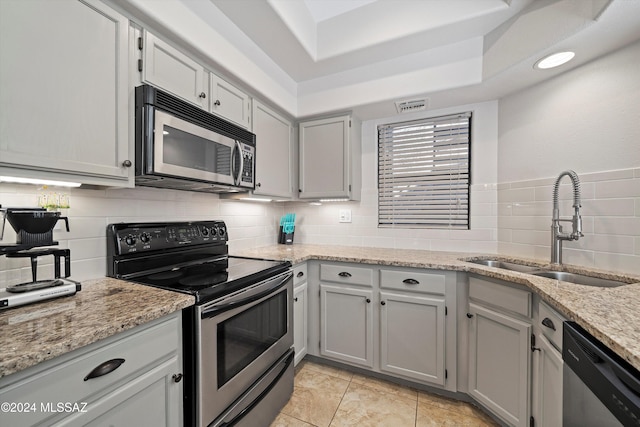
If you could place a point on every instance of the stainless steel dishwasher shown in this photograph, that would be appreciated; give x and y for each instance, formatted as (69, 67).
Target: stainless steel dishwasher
(600, 389)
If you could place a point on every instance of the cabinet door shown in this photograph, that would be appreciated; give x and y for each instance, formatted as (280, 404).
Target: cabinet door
(300, 318)
(346, 324)
(228, 101)
(152, 399)
(166, 67)
(274, 148)
(499, 364)
(64, 89)
(548, 378)
(324, 158)
(412, 336)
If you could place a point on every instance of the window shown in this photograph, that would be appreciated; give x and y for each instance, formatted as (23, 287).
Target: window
(424, 173)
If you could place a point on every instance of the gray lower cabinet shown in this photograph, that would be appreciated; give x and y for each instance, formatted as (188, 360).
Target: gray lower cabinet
(499, 349)
(548, 383)
(346, 324)
(548, 366)
(64, 89)
(412, 336)
(145, 388)
(300, 312)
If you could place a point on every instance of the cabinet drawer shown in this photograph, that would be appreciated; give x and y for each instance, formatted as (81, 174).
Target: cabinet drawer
(65, 382)
(299, 274)
(346, 274)
(433, 283)
(501, 296)
(551, 324)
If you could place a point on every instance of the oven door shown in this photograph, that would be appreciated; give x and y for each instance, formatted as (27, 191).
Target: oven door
(240, 338)
(183, 149)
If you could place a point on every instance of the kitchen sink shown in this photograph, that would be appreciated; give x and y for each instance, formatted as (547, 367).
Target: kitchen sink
(505, 265)
(579, 279)
(564, 276)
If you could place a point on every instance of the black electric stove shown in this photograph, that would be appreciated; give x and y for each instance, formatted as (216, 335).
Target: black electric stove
(187, 257)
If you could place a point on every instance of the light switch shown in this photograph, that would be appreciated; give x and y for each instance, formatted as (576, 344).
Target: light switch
(345, 215)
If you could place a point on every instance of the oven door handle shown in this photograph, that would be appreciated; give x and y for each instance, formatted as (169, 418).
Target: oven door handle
(221, 308)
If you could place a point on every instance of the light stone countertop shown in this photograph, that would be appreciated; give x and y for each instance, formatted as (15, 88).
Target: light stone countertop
(612, 315)
(37, 332)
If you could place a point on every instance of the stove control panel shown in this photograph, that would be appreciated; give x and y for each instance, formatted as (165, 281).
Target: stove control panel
(131, 238)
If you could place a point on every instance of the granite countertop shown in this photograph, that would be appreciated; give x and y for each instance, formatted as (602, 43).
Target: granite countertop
(612, 315)
(37, 332)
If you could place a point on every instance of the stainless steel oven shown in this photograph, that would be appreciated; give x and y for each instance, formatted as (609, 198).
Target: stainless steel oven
(181, 146)
(238, 337)
(242, 337)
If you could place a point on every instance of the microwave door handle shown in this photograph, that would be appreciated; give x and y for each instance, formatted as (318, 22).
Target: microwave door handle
(237, 174)
(233, 161)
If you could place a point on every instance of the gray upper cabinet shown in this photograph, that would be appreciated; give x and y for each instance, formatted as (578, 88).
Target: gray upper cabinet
(163, 66)
(330, 158)
(229, 102)
(274, 150)
(64, 92)
(167, 68)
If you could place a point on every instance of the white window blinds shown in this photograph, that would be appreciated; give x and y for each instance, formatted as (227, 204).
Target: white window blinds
(424, 173)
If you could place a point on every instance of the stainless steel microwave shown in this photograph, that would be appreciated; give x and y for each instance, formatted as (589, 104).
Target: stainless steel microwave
(183, 147)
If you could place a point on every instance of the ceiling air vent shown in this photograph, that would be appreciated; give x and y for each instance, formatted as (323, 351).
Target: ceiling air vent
(412, 105)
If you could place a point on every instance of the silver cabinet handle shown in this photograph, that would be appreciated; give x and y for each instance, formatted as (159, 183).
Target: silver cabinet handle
(410, 282)
(127, 163)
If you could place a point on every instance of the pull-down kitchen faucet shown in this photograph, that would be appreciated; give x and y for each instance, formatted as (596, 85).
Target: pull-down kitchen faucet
(557, 236)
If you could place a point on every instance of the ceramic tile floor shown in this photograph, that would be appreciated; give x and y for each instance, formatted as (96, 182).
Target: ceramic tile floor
(324, 396)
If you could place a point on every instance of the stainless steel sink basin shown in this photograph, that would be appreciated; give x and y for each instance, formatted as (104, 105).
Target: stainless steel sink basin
(505, 265)
(579, 279)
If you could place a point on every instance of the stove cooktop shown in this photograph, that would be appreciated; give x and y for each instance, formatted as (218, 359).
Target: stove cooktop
(212, 280)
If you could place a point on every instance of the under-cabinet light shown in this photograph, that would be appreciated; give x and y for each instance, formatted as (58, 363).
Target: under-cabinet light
(335, 200)
(554, 60)
(20, 180)
(255, 199)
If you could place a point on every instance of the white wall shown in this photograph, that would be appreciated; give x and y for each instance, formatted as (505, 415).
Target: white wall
(587, 120)
(250, 224)
(319, 224)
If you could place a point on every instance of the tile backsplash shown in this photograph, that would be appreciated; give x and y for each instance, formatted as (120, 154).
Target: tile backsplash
(511, 218)
(249, 224)
(610, 219)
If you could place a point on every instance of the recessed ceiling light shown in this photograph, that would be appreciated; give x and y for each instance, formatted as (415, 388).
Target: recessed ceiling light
(554, 60)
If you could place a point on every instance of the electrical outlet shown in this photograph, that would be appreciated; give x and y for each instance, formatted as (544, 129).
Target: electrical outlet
(345, 215)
